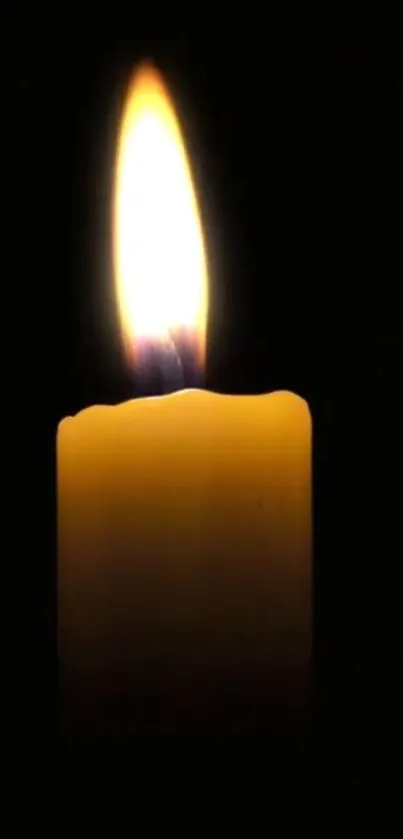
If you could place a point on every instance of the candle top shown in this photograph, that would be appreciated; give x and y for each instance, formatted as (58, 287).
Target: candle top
(282, 402)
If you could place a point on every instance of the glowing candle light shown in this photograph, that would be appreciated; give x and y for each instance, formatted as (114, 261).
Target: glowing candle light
(184, 520)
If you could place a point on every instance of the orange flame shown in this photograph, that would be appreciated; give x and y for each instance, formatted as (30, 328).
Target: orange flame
(159, 255)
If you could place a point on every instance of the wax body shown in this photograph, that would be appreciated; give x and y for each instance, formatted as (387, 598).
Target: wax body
(184, 550)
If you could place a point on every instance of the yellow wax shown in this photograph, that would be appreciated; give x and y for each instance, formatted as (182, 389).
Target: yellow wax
(184, 542)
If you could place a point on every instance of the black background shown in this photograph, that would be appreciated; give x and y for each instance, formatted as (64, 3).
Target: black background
(296, 153)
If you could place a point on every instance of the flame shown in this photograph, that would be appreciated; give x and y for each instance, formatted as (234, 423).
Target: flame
(159, 255)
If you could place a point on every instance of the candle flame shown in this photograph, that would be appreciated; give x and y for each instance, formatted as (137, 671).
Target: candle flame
(159, 256)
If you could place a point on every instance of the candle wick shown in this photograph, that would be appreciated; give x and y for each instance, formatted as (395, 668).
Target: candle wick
(172, 368)
(168, 364)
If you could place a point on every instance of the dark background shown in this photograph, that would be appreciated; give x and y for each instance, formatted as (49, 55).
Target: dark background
(296, 153)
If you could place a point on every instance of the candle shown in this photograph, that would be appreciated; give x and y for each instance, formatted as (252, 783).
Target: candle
(184, 520)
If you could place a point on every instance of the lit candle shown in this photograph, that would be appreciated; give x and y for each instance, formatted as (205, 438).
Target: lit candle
(184, 521)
